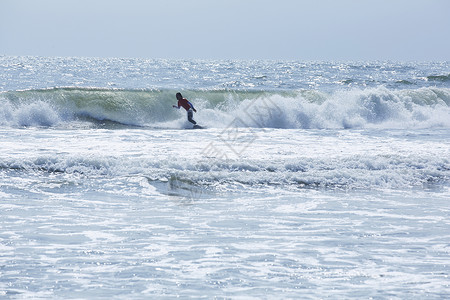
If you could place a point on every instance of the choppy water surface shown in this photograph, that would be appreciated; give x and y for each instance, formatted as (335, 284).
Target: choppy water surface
(338, 188)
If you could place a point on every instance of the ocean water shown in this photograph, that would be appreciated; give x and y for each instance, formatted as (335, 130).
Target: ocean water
(310, 180)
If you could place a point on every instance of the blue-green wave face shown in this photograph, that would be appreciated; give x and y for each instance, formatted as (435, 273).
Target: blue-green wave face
(296, 109)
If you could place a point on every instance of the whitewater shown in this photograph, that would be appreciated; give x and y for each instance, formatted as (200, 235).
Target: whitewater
(310, 179)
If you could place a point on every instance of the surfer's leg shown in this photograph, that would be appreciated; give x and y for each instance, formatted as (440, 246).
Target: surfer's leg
(190, 114)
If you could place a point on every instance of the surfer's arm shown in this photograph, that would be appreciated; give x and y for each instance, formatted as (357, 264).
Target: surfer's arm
(177, 107)
(192, 106)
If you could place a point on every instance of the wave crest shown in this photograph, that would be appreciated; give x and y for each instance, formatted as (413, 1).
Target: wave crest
(356, 108)
(351, 172)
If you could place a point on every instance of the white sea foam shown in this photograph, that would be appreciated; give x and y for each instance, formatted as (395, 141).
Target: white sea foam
(321, 180)
(356, 108)
(376, 107)
(326, 161)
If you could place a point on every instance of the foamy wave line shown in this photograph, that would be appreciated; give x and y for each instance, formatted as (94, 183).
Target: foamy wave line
(368, 172)
(305, 109)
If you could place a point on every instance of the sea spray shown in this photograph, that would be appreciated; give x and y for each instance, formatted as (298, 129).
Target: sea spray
(312, 180)
(303, 109)
(307, 159)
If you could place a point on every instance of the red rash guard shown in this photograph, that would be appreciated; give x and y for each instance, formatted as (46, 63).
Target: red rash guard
(185, 103)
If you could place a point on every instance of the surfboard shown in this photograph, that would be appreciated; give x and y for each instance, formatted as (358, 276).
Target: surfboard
(198, 127)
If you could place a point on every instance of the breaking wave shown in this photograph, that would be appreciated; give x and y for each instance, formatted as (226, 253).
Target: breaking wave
(302, 109)
(442, 78)
(355, 172)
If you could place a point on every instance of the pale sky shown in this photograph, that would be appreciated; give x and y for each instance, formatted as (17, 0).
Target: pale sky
(400, 30)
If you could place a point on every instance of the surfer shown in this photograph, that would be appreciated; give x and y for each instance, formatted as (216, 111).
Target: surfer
(187, 106)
